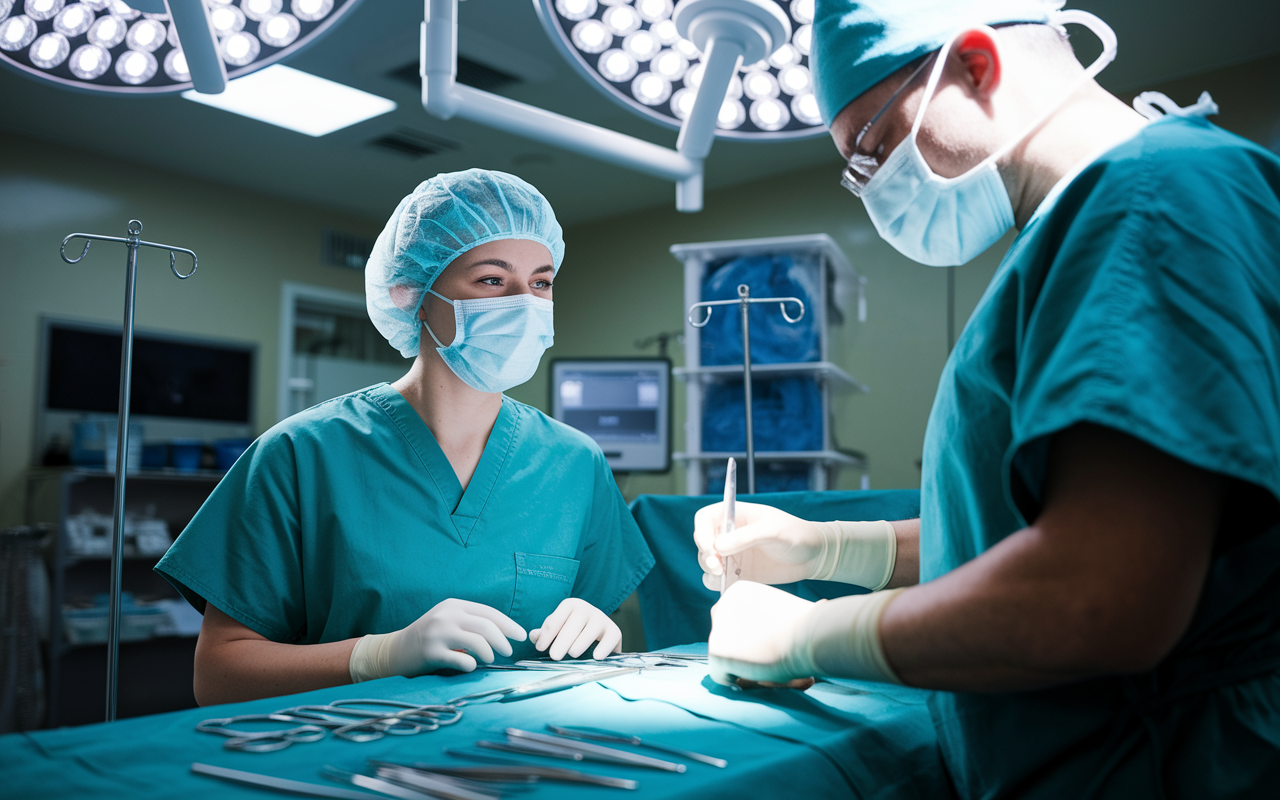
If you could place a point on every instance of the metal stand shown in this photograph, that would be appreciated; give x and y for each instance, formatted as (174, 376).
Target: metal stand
(122, 428)
(745, 300)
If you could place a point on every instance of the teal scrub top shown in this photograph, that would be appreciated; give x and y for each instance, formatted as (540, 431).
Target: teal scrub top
(347, 519)
(1145, 297)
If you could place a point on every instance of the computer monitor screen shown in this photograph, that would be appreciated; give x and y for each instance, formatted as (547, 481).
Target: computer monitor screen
(623, 404)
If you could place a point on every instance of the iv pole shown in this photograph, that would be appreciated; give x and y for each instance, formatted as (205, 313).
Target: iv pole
(745, 300)
(133, 242)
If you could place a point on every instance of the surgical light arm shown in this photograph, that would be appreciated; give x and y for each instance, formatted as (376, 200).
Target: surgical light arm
(726, 42)
(196, 36)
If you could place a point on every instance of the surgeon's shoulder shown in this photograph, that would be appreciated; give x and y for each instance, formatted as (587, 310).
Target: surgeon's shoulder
(1191, 162)
(356, 413)
(566, 440)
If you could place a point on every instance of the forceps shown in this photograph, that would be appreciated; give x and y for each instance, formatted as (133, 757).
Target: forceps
(369, 724)
(544, 686)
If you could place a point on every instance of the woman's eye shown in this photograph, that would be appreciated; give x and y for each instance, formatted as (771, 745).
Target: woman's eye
(543, 284)
(492, 281)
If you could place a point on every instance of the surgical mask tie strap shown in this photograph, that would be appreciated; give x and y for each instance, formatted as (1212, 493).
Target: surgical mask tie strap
(434, 338)
(1156, 105)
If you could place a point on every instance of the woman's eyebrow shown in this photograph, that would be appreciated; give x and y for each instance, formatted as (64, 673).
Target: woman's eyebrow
(493, 262)
(544, 268)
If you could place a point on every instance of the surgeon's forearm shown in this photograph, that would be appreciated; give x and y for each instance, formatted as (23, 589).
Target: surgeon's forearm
(233, 663)
(906, 566)
(1105, 582)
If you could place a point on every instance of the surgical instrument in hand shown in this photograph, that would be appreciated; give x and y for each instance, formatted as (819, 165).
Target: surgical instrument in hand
(729, 563)
(511, 770)
(594, 752)
(281, 784)
(544, 686)
(261, 741)
(599, 735)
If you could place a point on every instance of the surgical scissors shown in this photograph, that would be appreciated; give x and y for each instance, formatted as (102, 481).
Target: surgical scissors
(340, 717)
(261, 741)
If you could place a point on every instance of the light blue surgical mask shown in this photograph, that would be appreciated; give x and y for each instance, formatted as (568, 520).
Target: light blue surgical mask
(945, 222)
(497, 341)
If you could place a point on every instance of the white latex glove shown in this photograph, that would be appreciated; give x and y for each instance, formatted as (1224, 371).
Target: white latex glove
(455, 634)
(772, 546)
(766, 635)
(573, 627)
(758, 633)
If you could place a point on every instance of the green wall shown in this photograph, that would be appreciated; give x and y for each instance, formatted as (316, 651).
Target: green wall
(248, 245)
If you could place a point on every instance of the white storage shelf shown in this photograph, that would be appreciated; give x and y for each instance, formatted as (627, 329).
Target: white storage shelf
(835, 270)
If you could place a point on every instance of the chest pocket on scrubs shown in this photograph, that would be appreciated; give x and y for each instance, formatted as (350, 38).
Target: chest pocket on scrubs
(541, 583)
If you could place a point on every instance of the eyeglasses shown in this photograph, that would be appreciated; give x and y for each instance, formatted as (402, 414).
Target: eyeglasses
(862, 167)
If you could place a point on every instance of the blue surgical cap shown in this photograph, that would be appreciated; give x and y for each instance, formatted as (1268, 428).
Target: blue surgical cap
(858, 43)
(442, 219)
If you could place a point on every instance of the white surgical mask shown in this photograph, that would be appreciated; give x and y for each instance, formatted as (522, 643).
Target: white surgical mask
(945, 222)
(497, 341)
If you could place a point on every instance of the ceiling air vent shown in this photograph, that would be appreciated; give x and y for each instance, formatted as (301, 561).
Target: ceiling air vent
(472, 73)
(345, 249)
(412, 144)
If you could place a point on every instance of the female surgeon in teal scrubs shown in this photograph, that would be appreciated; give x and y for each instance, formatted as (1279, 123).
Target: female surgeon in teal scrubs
(425, 524)
(1094, 582)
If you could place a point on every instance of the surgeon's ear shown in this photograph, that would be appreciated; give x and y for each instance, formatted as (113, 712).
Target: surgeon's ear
(979, 57)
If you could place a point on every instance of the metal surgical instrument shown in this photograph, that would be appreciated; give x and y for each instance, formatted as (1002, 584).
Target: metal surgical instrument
(599, 735)
(261, 741)
(519, 773)
(341, 717)
(544, 686)
(426, 789)
(281, 784)
(730, 521)
(593, 752)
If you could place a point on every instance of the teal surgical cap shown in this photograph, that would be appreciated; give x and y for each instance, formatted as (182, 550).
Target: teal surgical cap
(858, 43)
(442, 219)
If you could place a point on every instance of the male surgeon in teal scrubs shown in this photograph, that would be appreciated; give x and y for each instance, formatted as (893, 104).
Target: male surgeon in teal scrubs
(426, 524)
(1093, 585)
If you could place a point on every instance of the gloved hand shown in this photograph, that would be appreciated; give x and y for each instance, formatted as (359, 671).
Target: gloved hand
(455, 634)
(772, 546)
(573, 627)
(766, 635)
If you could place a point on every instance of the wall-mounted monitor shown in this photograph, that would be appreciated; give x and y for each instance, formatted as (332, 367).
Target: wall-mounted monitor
(624, 404)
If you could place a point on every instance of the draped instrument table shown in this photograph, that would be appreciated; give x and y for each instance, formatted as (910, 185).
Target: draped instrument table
(833, 741)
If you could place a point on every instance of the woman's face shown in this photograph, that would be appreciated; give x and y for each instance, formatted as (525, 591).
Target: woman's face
(494, 269)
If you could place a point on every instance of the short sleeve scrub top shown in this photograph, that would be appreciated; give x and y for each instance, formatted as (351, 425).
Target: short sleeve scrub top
(347, 519)
(1143, 296)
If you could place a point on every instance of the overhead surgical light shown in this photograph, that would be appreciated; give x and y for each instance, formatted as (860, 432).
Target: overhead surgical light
(676, 64)
(158, 46)
(644, 29)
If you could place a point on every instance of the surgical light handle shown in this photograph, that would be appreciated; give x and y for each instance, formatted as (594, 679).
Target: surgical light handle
(132, 242)
(745, 300)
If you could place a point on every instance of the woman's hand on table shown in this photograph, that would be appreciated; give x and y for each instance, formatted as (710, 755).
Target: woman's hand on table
(454, 634)
(573, 627)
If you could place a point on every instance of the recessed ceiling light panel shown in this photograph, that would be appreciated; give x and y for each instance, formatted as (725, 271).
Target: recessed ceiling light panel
(296, 100)
(610, 42)
(115, 48)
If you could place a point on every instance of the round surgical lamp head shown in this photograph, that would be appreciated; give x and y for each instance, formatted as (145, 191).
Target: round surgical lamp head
(591, 33)
(112, 46)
